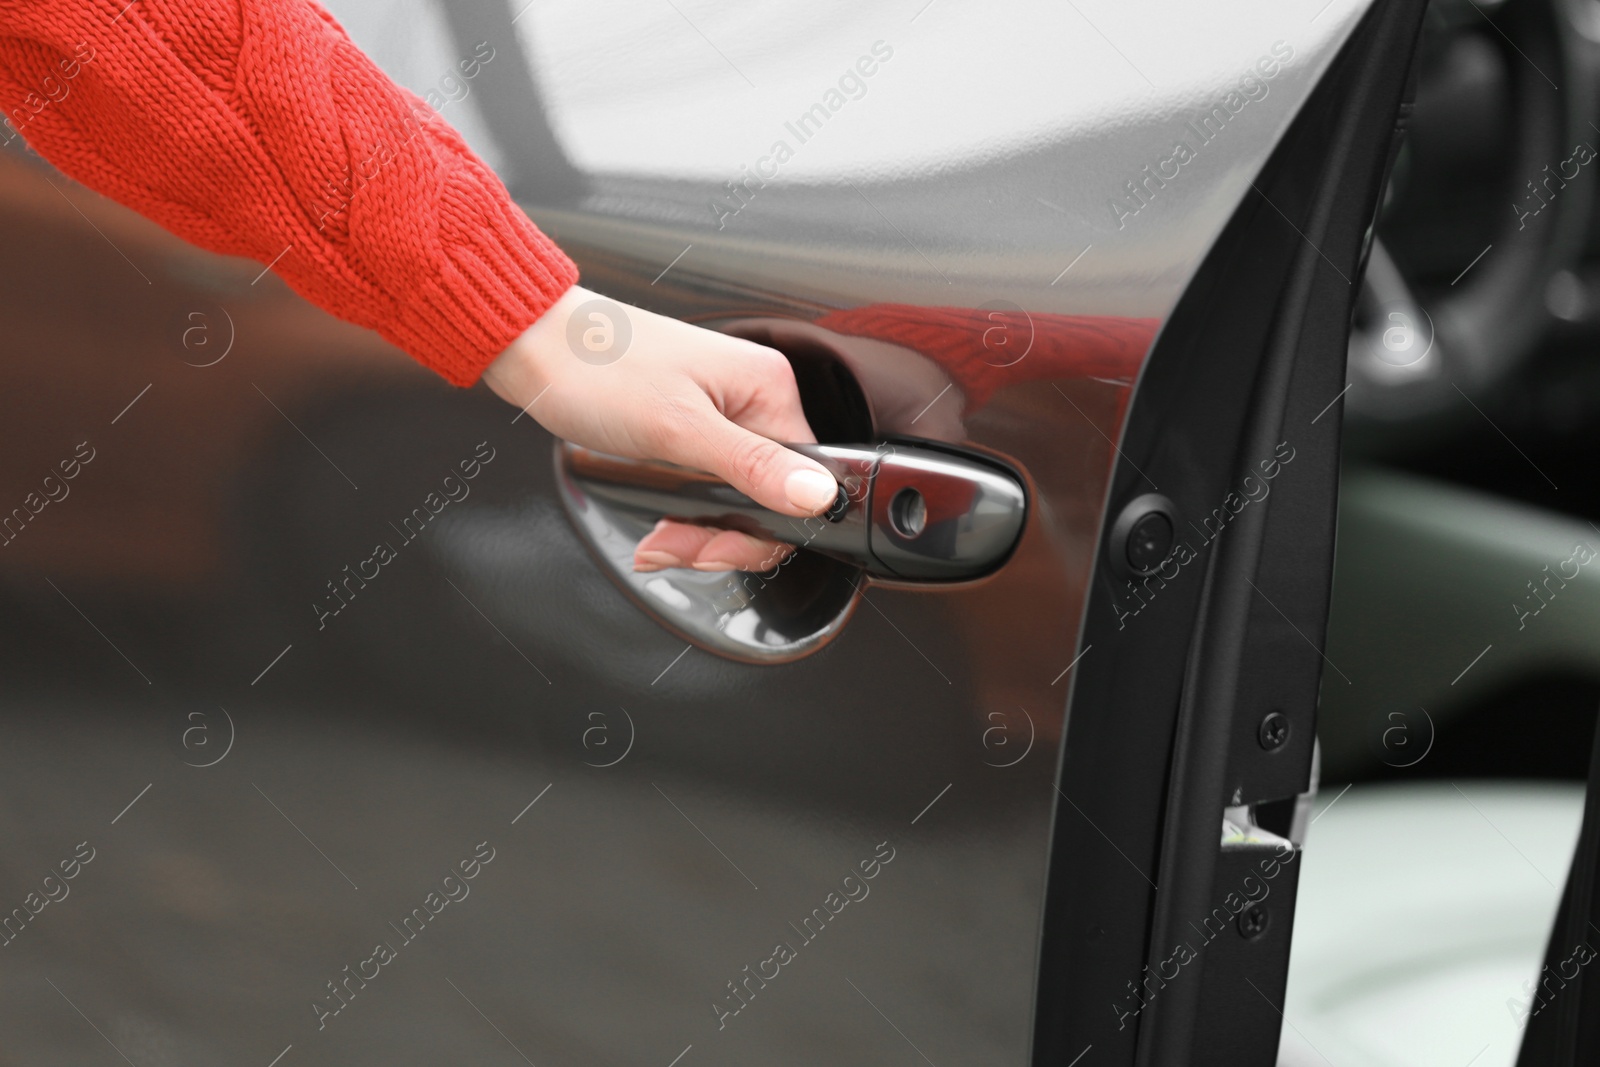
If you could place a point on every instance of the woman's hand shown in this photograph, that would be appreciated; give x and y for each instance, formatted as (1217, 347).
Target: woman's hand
(620, 379)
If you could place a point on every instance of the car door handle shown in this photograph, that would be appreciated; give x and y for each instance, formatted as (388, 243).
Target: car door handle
(903, 512)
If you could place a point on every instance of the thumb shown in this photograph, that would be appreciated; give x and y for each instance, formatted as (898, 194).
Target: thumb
(773, 476)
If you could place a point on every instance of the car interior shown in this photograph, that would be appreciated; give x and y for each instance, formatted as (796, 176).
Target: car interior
(1463, 717)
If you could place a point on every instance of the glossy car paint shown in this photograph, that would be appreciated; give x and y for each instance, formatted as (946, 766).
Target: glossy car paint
(663, 821)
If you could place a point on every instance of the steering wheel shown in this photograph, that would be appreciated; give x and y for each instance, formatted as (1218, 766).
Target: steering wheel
(1522, 69)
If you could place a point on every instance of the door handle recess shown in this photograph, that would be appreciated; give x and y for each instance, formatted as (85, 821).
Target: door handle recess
(903, 512)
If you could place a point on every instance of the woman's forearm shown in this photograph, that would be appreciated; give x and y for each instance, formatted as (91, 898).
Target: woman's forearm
(257, 128)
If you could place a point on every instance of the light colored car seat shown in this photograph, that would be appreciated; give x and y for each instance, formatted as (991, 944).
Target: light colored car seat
(1423, 910)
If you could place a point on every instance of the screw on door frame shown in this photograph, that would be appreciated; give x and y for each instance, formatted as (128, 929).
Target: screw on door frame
(1253, 921)
(1149, 542)
(1273, 733)
(1143, 535)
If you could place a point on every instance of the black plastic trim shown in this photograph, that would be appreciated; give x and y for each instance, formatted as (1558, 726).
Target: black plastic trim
(1165, 710)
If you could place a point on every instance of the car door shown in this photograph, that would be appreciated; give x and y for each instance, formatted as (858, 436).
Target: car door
(342, 733)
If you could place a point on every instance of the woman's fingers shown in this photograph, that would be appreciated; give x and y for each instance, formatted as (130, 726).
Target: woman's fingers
(754, 386)
(747, 403)
(763, 470)
(677, 544)
(680, 393)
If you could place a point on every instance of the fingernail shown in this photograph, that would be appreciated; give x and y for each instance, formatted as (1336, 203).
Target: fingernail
(810, 489)
(653, 560)
(714, 565)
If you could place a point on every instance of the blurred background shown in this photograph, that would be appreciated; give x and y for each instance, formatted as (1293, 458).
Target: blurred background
(1458, 712)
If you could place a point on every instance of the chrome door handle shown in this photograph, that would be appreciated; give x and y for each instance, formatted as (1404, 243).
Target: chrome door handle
(904, 512)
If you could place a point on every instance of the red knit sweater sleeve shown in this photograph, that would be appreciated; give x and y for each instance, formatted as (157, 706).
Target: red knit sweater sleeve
(257, 128)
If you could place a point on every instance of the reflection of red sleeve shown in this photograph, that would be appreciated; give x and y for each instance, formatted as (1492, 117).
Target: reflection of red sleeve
(983, 349)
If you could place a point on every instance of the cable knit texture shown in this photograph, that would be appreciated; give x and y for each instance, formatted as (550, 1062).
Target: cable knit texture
(257, 128)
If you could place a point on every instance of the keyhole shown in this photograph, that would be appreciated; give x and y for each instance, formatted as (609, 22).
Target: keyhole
(908, 513)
